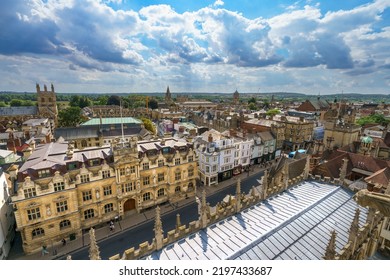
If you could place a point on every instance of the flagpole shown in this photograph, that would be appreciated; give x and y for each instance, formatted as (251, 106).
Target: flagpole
(123, 137)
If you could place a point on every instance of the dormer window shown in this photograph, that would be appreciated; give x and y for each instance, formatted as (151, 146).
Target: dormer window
(30, 192)
(44, 173)
(72, 165)
(59, 186)
(94, 162)
(145, 166)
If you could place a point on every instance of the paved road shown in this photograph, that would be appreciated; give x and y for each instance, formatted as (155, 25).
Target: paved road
(132, 237)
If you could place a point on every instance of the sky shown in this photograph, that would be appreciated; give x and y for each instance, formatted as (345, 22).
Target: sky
(117, 46)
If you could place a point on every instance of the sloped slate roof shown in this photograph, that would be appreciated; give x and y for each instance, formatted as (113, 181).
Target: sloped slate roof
(17, 111)
(69, 133)
(381, 177)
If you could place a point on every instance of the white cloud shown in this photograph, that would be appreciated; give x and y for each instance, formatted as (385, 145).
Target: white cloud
(208, 49)
(218, 3)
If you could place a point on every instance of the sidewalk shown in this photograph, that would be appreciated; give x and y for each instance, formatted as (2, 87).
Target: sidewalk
(103, 231)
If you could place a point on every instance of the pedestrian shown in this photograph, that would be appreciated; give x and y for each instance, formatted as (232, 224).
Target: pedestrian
(44, 250)
(63, 242)
(112, 227)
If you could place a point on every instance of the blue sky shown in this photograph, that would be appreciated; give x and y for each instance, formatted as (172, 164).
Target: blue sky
(196, 46)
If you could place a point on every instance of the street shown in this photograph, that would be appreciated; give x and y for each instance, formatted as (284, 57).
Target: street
(118, 242)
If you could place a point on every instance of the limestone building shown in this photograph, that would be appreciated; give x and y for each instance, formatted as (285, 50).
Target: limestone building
(222, 155)
(102, 131)
(298, 132)
(47, 108)
(7, 221)
(62, 191)
(339, 134)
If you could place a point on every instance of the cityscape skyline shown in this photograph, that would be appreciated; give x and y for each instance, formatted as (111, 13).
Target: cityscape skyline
(115, 46)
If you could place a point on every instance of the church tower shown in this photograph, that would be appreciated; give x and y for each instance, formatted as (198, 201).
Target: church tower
(168, 97)
(47, 104)
(236, 98)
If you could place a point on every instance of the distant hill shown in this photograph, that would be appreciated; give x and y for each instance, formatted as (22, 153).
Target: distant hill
(277, 95)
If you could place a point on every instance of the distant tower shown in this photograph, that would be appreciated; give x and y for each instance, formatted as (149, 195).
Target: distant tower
(168, 97)
(366, 145)
(236, 97)
(47, 104)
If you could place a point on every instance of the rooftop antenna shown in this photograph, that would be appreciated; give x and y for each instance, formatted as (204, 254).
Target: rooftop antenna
(123, 137)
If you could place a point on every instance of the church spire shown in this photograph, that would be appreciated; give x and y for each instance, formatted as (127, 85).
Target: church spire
(168, 96)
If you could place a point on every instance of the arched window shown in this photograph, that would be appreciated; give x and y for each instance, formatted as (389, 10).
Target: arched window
(64, 224)
(160, 192)
(146, 196)
(84, 143)
(190, 186)
(177, 189)
(38, 232)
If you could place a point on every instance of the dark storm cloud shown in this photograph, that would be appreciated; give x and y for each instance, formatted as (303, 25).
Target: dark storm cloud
(22, 32)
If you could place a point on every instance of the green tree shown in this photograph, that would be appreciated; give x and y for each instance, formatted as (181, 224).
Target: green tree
(16, 103)
(138, 104)
(70, 117)
(114, 100)
(149, 125)
(252, 100)
(74, 101)
(272, 112)
(373, 118)
(85, 102)
(152, 104)
(252, 106)
(101, 100)
(28, 103)
(2, 104)
(266, 103)
(80, 101)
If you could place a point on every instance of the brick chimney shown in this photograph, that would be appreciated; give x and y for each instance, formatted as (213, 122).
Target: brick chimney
(210, 138)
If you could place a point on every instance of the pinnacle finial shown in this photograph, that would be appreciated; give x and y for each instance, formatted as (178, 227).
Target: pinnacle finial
(330, 252)
(354, 229)
(94, 253)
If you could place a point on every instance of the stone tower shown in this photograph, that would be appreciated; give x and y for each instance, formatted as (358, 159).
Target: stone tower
(47, 104)
(236, 97)
(168, 96)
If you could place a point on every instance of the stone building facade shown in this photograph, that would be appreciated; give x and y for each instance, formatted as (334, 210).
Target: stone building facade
(62, 191)
(298, 132)
(46, 108)
(339, 134)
